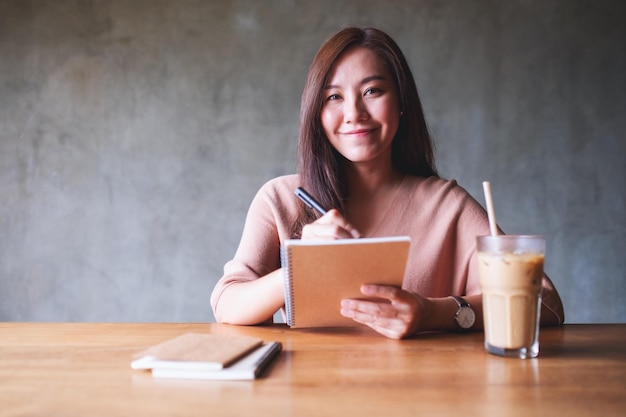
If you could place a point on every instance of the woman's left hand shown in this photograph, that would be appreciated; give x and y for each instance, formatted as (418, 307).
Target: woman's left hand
(389, 310)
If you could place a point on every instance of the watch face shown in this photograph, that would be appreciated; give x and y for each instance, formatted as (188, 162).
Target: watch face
(466, 317)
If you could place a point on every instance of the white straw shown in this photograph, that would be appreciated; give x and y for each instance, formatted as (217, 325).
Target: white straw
(490, 211)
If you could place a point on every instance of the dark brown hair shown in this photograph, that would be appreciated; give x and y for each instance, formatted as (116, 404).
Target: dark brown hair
(319, 164)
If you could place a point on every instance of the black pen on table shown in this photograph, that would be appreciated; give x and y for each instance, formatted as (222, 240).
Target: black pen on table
(309, 201)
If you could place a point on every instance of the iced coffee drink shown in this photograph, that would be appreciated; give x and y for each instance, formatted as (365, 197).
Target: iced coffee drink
(510, 269)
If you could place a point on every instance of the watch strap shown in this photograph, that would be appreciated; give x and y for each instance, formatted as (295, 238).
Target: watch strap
(460, 301)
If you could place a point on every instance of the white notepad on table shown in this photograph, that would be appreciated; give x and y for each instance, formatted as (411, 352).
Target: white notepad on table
(207, 356)
(249, 367)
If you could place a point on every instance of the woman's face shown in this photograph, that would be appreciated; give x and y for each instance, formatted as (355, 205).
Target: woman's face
(361, 110)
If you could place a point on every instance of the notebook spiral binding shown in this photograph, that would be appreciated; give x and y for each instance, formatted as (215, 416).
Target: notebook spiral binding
(288, 287)
(265, 360)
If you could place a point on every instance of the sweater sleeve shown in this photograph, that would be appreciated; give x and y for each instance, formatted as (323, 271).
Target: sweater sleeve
(474, 222)
(268, 222)
(444, 227)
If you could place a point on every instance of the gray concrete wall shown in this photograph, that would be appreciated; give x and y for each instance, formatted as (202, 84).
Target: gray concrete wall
(133, 135)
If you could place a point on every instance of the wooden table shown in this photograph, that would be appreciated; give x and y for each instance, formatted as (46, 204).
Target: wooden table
(83, 369)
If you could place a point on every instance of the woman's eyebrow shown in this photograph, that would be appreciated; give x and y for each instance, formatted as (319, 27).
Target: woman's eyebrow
(372, 78)
(363, 81)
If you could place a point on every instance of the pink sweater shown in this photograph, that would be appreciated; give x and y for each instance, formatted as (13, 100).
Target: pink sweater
(441, 218)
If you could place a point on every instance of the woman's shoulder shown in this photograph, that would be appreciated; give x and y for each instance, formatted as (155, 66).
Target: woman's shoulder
(445, 197)
(435, 192)
(426, 186)
(281, 185)
(277, 193)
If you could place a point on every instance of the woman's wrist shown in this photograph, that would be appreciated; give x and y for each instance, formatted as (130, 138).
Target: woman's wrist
(437, 314)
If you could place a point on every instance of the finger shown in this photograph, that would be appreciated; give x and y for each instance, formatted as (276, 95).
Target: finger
(324, 231)
(370, 311)
(391, 320)
(395, 295)
(333, 216)
(392, 328)
(332, 225)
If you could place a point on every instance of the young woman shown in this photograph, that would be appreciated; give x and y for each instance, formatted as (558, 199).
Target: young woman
(366, 152)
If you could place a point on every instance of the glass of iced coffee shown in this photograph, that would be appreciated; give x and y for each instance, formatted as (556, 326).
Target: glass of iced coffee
(510, 269)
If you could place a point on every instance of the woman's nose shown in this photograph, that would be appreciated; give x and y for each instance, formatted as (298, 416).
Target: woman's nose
(354, 111)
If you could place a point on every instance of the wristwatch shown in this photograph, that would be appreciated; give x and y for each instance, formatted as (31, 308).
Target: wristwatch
(465, 316)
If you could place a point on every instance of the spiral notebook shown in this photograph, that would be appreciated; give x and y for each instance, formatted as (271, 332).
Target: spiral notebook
(319, 274)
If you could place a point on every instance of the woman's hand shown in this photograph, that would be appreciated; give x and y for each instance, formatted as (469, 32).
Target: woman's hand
(331, 225)
(390, 311)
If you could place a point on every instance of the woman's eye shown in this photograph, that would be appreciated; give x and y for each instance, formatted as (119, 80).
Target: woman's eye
(333, 97)
(371, 91)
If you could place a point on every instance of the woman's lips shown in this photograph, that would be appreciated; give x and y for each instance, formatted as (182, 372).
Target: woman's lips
(358, 132)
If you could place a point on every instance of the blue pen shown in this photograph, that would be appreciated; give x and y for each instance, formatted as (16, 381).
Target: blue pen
(309, 201)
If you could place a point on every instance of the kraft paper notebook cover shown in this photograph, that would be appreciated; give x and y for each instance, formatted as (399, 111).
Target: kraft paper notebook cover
(319, 274)
(197, 351)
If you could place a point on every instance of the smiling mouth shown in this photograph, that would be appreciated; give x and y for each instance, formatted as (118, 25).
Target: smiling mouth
(358, 132)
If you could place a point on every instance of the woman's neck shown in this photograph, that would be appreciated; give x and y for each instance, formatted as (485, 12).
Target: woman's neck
(365, 182)
(370, 194)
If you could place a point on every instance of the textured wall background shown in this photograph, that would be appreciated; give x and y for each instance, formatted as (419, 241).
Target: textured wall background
(133, 136)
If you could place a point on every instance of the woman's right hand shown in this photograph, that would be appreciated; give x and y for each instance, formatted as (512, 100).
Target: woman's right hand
(331, 225)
